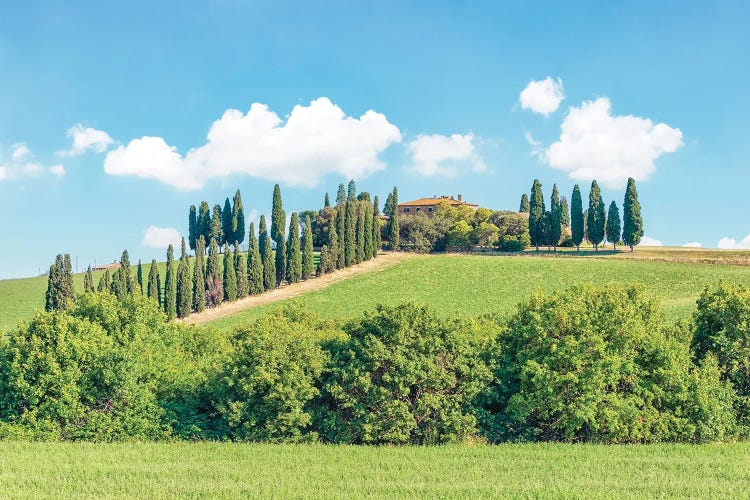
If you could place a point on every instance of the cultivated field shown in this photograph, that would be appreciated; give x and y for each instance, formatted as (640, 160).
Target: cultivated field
(214, 470)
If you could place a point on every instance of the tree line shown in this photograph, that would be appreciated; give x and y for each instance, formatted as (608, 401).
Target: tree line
(595, 224)
(347, 234)
(587, 364)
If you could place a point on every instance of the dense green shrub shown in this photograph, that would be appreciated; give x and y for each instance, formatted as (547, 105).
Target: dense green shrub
(403, 376)
(600, 365)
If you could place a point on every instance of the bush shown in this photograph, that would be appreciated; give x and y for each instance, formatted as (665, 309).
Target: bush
(513, 231)
(403, 376)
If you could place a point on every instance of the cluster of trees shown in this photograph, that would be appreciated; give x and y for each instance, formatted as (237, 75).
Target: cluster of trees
(563, 225)
(225, 225)
(347, 233)
(588, 364)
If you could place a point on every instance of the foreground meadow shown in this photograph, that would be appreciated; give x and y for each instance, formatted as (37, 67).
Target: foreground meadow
(213, 470)
(482, 284)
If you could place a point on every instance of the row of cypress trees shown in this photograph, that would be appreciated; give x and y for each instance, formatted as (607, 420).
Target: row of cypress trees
(225, 225)
(594, 224)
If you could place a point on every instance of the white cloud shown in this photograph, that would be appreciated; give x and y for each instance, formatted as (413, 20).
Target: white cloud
(22, 164)
(161, 237)
(650, 242)
(442, 155)
(57, 170)
(19, 151)
(727, 243)
(87, 138)
(315, 141)
(3, 173)
(594, 144)
(692, 244)
(542, 96)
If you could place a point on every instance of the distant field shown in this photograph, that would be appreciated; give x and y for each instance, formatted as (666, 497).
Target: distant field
(481, 284)
(216, 470)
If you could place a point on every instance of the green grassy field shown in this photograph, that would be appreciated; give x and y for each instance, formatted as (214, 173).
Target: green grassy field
(481, 284)
(216, 470)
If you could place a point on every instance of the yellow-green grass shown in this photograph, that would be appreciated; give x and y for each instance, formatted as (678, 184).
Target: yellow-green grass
(484, 284)
(224, 470)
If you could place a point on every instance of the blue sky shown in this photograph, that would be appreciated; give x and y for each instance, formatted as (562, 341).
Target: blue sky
(100, 105)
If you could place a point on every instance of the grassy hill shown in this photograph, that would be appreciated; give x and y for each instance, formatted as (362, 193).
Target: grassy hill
(484, 284)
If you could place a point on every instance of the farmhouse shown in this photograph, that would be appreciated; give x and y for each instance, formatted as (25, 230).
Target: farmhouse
(428, 205)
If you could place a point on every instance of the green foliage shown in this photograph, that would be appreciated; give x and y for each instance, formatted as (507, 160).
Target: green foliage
(240, 271)
(613, 224)
(350, 233)
(88, 280)
(278, 217)
(341, 233)
(596, 216)
(537, 210)
(255, 271)
(170, 286)
(459, 236)
(139, 277)
(308, 256)
(565, 212)
(214, 278)
(325, 264)
(229, 277)
(266, 389)
(555, 218)
(267, 256)
(375, 239)
(104, 282)
(576, 217)
(351, 193)
(341, 195)
(513, 231)
(184, 295)
(153, 290)
(524, 207)
(216, 231)
(633, 221)
(60, 291)
(238, 219)
(193, 227)
(294, 253)
(204, 222)
(403, 376)
(199, 275)
(227, 219)
(326, 201)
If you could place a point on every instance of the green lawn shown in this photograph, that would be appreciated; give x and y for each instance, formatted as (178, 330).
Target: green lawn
(216, 470)
(480, 284)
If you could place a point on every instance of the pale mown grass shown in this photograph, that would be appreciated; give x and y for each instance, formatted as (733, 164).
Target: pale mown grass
(214, 470)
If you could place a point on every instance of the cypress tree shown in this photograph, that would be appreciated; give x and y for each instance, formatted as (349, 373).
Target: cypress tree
(524, 208)
(184, 297)
(204, 222)
(229, 278)
(351, 193)
(153, 289)
(613, 224)
(350, 234)
(359, 234)
(596, 216)
(139, 277)
(214, 285)
(332, 242)
(341, 232)
(308, 255)
(226, 223)
(326, 201)
(280, 257)
(199, 276)
(170, 288)
(341, 195)
(324, 264)
(294, 253)
(266, 254)
(375, 228)
(393, 234)
(238, 219)
(88, 281)
(633, 222)
(104, 282)
(240, 271)
(255, 282)
(368, 247)
(576, 217)
(536, 215)
(60, 293)
(216, 232)
(565, 210)
(278, 223)
(554, 225)
(53, 287)
(192, 227)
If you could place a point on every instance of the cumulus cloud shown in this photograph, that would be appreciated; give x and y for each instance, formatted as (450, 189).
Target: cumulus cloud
(314, 141)
(595, 144)
(650, 242)
(542, 96)
(692, 244)
(161, 237)
(21, 164)
(19, 151)
(85, 139)
(728, 243)
(57, 170)
(441, 155)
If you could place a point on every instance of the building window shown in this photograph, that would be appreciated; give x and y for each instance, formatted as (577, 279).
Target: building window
(406, 210)
(429, 209)
(417, 209)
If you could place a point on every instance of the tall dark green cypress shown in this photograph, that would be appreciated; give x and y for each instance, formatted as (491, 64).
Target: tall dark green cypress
(565, 209)
(359, 233)
(192, 227)
(139, 277)
(393, 225)
(60, 291)
(367, 230)
(596, 216)
(294, 253)
(351, 193)
(229, 277)
(184, 297)
(278, 223)
(554, 225)
(341, 232)
(324, 264)
(255, 283)
(536, 215)
(350, 234)
(524, 208)
(238, 219)
(613, 225)
(104, 282)
(204, 222)
(308, 255)
(170, 286)
(153, 289)
(226, 223)
(375, 227)
(199, 275)
(576, 217)
(341, 195)
(267, 256)
(217, 233)
(214, 283)
(240, 271)
(326, 201)
(88, 281)
(632, 231)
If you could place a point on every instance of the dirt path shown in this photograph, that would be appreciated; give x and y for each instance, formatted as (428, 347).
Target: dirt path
(383, 261)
